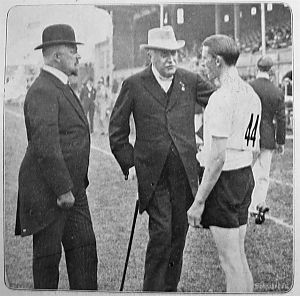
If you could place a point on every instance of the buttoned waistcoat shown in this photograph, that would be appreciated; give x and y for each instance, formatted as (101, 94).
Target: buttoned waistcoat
(158, 123)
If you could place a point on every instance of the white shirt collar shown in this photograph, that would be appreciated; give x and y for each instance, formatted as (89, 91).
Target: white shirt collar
(164, 82)
(158, 76)
(57, 73)
(262, 75)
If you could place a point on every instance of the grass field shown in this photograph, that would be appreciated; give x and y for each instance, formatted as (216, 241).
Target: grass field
(269, 247)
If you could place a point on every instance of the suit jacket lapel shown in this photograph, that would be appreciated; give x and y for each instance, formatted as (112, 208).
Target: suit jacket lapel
(70, 96)
(178, 87)
(153, 86)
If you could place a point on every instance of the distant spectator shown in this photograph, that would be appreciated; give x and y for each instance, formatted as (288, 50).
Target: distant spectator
(271, 136)
(87, 98)
(102, 104)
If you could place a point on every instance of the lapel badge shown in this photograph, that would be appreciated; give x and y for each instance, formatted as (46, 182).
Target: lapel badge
(182, 86)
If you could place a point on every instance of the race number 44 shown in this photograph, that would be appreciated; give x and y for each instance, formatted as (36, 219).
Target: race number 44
(250, 134)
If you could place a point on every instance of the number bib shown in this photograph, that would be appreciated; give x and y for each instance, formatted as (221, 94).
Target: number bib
(245, 122)
(235, 114)
(251, 131)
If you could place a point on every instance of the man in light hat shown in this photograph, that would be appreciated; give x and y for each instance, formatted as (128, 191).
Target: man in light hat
(52, 201)
(272, 136)
(162, 100)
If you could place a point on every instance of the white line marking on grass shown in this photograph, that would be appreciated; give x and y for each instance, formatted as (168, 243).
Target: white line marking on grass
(19, 115)
(279, 221)
(276, 220)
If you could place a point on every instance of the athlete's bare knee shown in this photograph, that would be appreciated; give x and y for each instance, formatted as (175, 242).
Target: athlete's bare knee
(230, 263)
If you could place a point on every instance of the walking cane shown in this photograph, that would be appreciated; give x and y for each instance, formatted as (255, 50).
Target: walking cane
(130, 241)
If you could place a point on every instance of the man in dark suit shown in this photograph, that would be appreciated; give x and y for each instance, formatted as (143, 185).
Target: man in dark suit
(87, 98)
(52, 201)
(162, 100)
(272, 136)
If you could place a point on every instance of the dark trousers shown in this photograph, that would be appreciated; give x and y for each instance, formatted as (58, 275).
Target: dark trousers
(74, 231)
(168, 227)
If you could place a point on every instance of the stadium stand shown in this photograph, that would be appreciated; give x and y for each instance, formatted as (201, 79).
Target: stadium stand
(277, 36)
(131, 24)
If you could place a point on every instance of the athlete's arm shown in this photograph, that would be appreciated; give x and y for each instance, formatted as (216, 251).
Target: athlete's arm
(210, 177)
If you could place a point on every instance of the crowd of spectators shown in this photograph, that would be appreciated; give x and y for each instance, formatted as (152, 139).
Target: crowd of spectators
(277, 36)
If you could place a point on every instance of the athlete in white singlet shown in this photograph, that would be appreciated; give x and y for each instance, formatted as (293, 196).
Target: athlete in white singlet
(231, 135)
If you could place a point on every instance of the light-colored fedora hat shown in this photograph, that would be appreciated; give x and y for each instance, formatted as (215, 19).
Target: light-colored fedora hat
(162, 38)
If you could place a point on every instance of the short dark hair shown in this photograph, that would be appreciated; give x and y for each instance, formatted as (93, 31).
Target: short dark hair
(223, 46)
(264, 63)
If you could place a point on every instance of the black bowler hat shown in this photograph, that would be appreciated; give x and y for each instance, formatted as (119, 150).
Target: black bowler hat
(57, 34)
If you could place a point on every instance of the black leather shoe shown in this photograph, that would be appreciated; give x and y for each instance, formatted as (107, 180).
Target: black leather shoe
(260, 217)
